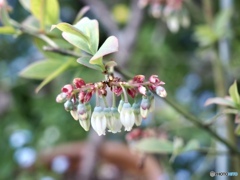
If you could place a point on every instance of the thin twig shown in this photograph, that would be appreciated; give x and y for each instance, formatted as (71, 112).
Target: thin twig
(61, 51)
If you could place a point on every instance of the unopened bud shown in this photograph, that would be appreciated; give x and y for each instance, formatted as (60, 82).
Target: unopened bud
(78, 82)
(161, 91)
(62, 97)
(68, 105)
(86, 123)
(136, 112)
(82, 112)
(145, 105)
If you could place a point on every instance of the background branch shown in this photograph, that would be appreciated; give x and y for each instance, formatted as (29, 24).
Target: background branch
(102, 13)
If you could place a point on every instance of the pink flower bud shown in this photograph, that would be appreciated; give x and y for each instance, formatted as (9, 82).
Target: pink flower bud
(78, 82)
(67, 89)
(135, 134)
(132, 92)
(117, 90)
(139, 78)
(88, 96)
(142, 90)
(154, 79)
(102, 92)
(81, 96)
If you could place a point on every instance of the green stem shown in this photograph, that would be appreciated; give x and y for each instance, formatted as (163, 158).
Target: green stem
(113, 100)
(105, 101)
(125, 93)
(199, 124)
(97, 98)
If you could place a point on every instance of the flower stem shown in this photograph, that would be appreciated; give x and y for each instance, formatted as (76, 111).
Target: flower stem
(105, 101)
(97, 98)
(113, 100)
(124, 92)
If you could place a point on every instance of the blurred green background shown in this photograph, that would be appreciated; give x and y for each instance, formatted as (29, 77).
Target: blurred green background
(31, 122)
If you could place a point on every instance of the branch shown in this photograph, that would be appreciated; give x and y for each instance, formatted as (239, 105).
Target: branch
(105, 17)
(127, 37)
(61, 51)
(200, 124)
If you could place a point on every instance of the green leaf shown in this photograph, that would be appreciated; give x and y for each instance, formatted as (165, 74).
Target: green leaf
(47, 12)
(54, 74)
(77, 42)
(52, 11)
(85, 62)
(191, 145)
(221, 22)
(68, 28)
(154, 145)
(91, 29)
(233, 91)
(205, 35)
(7, 30)
(220, 101)
(41, 69)
(109, 46)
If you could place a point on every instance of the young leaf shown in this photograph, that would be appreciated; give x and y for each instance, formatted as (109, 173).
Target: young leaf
(40, 69)
(54, 74)
(109, 46)
(68, 28)
(76, 41)
(154, 145)
(85, 62)
(91, 30)
(219, 101)
(233, 91)
(47, 12)
(52, 11)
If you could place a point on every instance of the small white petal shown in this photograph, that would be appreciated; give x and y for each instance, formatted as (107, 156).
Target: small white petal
(74, 115)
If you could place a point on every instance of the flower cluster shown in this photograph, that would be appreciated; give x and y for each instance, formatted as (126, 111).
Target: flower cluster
(76, 97)
(170, 10)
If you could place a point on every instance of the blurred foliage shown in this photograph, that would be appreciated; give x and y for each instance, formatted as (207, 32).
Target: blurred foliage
(182, 60)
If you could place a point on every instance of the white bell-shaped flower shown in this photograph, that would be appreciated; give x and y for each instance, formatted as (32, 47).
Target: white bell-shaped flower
(114, 124)
(137, 115)
(99, 121)
(127, 116)
(145, 105)
(84, 119)
(120, 105)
